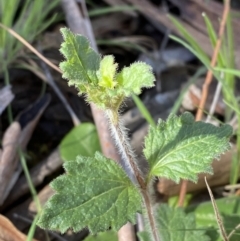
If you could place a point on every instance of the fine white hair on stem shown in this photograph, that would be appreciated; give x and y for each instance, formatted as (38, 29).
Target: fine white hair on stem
(128, 158)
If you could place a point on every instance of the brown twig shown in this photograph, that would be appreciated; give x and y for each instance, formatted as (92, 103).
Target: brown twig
(207, 82)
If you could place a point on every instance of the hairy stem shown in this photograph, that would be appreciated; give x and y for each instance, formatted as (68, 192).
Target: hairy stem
(150, 216)
(129, 164)
(128, 160)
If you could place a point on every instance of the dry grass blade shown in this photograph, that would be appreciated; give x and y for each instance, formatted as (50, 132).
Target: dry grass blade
(213, 61)
(233, 231)
(48, 78)
(29, 46)
(217, 214)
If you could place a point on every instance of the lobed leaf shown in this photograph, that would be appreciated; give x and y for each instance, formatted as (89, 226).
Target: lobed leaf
(133, 78)
(82, 62)
(183, 148)
(95, 193)
(107, 72)
(81, 140)
(97, 78)
(173, 224)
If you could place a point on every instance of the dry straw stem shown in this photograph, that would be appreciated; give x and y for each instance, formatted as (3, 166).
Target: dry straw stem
(217, 214)
(75, 119)
(206, 84)
(30, 47)
(233, 231)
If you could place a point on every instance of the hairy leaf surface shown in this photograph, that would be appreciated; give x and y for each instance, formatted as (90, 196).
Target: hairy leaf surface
(95, 193)
(82, 62)
(135, 77)
(183, 148)
(173, 224)
(107, 72)
(103, 236)
(97, 78)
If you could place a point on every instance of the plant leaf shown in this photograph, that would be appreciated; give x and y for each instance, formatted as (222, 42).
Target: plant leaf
(183, 148)
(97, 78)
(174, 224)
(144, 236)
(103, 236)
(81, 140)
(107, 72)
(95, 193)
(229, 208)
(135, 77)
(82, 62)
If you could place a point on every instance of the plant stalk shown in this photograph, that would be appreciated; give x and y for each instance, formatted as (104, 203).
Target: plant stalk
(129, 165)
(150, 215)
(128, 160)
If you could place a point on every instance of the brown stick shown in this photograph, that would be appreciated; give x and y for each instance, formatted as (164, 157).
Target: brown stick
(206, 84)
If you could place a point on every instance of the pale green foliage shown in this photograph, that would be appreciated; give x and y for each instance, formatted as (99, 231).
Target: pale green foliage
(107, 72)
(135, 77)
(103, 236)
(173, 224)
(81, 140)
(95, 193)
(98, 79)
(183, 148)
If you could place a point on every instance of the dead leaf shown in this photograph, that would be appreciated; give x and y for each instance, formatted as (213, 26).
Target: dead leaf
(8, 232)
(6, 96)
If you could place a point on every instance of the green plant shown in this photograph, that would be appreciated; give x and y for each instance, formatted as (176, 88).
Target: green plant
(225, 67)
(81, 140)
(28, 18)
(104, 236)
(98, 193)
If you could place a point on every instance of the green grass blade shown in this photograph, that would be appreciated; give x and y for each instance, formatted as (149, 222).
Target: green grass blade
(143, 110)
(106, 10)
(122, 43)
(32, 229)
(199, 54)
(229, 71)
(213, 38)
(187, 36)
